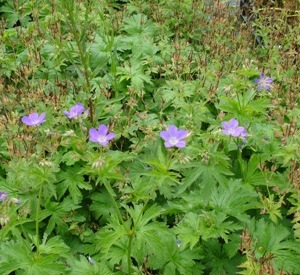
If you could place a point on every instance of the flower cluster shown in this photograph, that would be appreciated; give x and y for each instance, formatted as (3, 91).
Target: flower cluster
(263, 83)
(34, 119)
(232, 128)
(99, 135)
(173, 136)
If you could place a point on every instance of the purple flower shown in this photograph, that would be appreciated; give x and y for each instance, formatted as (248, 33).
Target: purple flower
(3, 195)
(101, 135)
(231, 128)
(34, 119)
(75, 111)
(173, 137)
(263, 83)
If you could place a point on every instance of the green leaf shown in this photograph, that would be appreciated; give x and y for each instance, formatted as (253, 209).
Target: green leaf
(112, 234)
(58, 211)
(54, 246)
(101, 204)
(141, 218)
(270, 240)
(234, 199)
(191, 177)
(18, 256)
(139, 24)
(71, 180)
(251, 174)
(83, 266)
(175, 260)
(216, 259)
(189, 230)
(148, 239)
(70, 158)
(206, 225)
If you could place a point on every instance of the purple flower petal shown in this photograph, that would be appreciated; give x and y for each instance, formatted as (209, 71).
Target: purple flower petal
(26, 120)
(168, 144)
(225, 124)
(181, 144)
(93, 135)
(110, 136)
(42, 118)
(172, 130)
(237, 131)
(102, 130)
(269, 80)
(103, 142)
(182, 134)
(233, 123)
(164, 135)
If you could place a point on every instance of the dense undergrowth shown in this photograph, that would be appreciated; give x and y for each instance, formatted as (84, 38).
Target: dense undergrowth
(138, 197)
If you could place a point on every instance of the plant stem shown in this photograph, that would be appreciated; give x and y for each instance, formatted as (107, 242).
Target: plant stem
(110, 192)
(38, 208)
(129, 263)
(240, 160)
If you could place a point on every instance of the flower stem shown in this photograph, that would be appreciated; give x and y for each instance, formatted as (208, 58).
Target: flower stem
(240, 160)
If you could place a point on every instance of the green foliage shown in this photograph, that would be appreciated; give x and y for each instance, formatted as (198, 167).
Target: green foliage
(270, 246)
(18, 256)
(219, 205)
